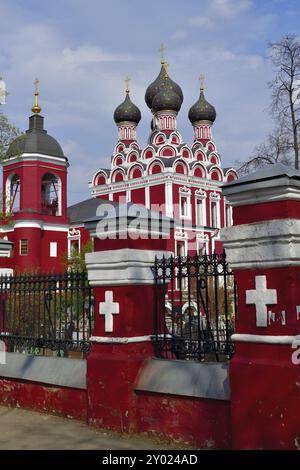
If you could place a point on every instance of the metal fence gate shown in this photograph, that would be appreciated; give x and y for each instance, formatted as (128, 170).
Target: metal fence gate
(46, 312)
(195, 307)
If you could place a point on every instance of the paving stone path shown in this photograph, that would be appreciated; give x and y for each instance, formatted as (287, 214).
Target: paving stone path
(28, 430)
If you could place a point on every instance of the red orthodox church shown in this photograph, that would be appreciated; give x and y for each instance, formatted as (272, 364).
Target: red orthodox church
(167, 175)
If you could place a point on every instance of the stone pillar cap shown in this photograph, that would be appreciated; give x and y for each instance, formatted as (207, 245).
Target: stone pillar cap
(272, 183)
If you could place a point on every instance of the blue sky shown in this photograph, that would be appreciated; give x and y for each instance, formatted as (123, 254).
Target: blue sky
(81, 50)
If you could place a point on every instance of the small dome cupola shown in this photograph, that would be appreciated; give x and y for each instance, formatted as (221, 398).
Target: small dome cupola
(155, 87)
(202, 110)
(127, 111)
(35, 139)
(127, 116)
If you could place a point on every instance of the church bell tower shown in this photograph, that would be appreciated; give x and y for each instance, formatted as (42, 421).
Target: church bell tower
(35, 197)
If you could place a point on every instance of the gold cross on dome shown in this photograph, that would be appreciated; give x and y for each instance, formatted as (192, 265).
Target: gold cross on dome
(36, 107)
(36, 86)
(127, 80)
(162, 51)
(166, 67)
(201, 78)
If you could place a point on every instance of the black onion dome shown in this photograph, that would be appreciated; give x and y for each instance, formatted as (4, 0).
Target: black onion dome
(202, 110)
(35, 140)
(155, 87)
(127, 111)
(166, 98)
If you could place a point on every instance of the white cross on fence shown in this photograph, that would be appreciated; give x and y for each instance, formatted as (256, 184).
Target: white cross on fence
(109, 308)
(261, 297)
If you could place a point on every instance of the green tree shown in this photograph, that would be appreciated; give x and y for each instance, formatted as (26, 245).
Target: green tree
(76, 261)
(8, 132)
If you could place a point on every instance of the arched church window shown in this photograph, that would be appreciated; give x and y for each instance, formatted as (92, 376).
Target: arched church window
(231, 177)
(149, 154)
(51, 194)
(13, 194)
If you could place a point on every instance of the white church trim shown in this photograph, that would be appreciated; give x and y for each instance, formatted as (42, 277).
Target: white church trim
(265, 339)
(123, 340)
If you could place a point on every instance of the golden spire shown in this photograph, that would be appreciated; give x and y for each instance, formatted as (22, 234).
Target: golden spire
(36, 108)
(201, 78)
(162, 50)
(127, 80)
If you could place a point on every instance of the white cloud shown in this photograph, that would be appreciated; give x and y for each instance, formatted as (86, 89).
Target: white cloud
(90, 54)
(219, 10)
(229, 8)
(202, 22)
(81, 78)
(179, 34)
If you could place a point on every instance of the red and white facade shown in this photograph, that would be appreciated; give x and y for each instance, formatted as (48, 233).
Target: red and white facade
(168, 175)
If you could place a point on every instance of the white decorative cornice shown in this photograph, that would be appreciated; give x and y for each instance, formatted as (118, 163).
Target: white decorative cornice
(25, 157)
(216, 196)
(202, 236)
(185, 190)
(74, 233)
(144, 181)
(200, 193)
(181, 235)
(41, 225)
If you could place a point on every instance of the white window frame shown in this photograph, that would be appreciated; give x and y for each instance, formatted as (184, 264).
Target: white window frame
(203, 241)
(215, 198)
(73, 234)
(201, 195)
(53, 249)
(185, 193)
(228, 220)
(20, 244)
(181, 237)
(184, 241)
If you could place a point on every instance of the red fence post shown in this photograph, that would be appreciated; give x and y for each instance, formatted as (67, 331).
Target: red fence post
(263, 248)
(120, 272)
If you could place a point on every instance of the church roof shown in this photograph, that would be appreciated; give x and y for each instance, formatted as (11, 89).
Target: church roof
(202, 110)
(35, 140)
(166, 98)
(155, 87)
(86, 209)
(127, 111)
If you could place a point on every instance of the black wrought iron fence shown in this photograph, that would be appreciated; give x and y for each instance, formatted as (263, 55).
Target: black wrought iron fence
(195, 307)
(46, 312)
